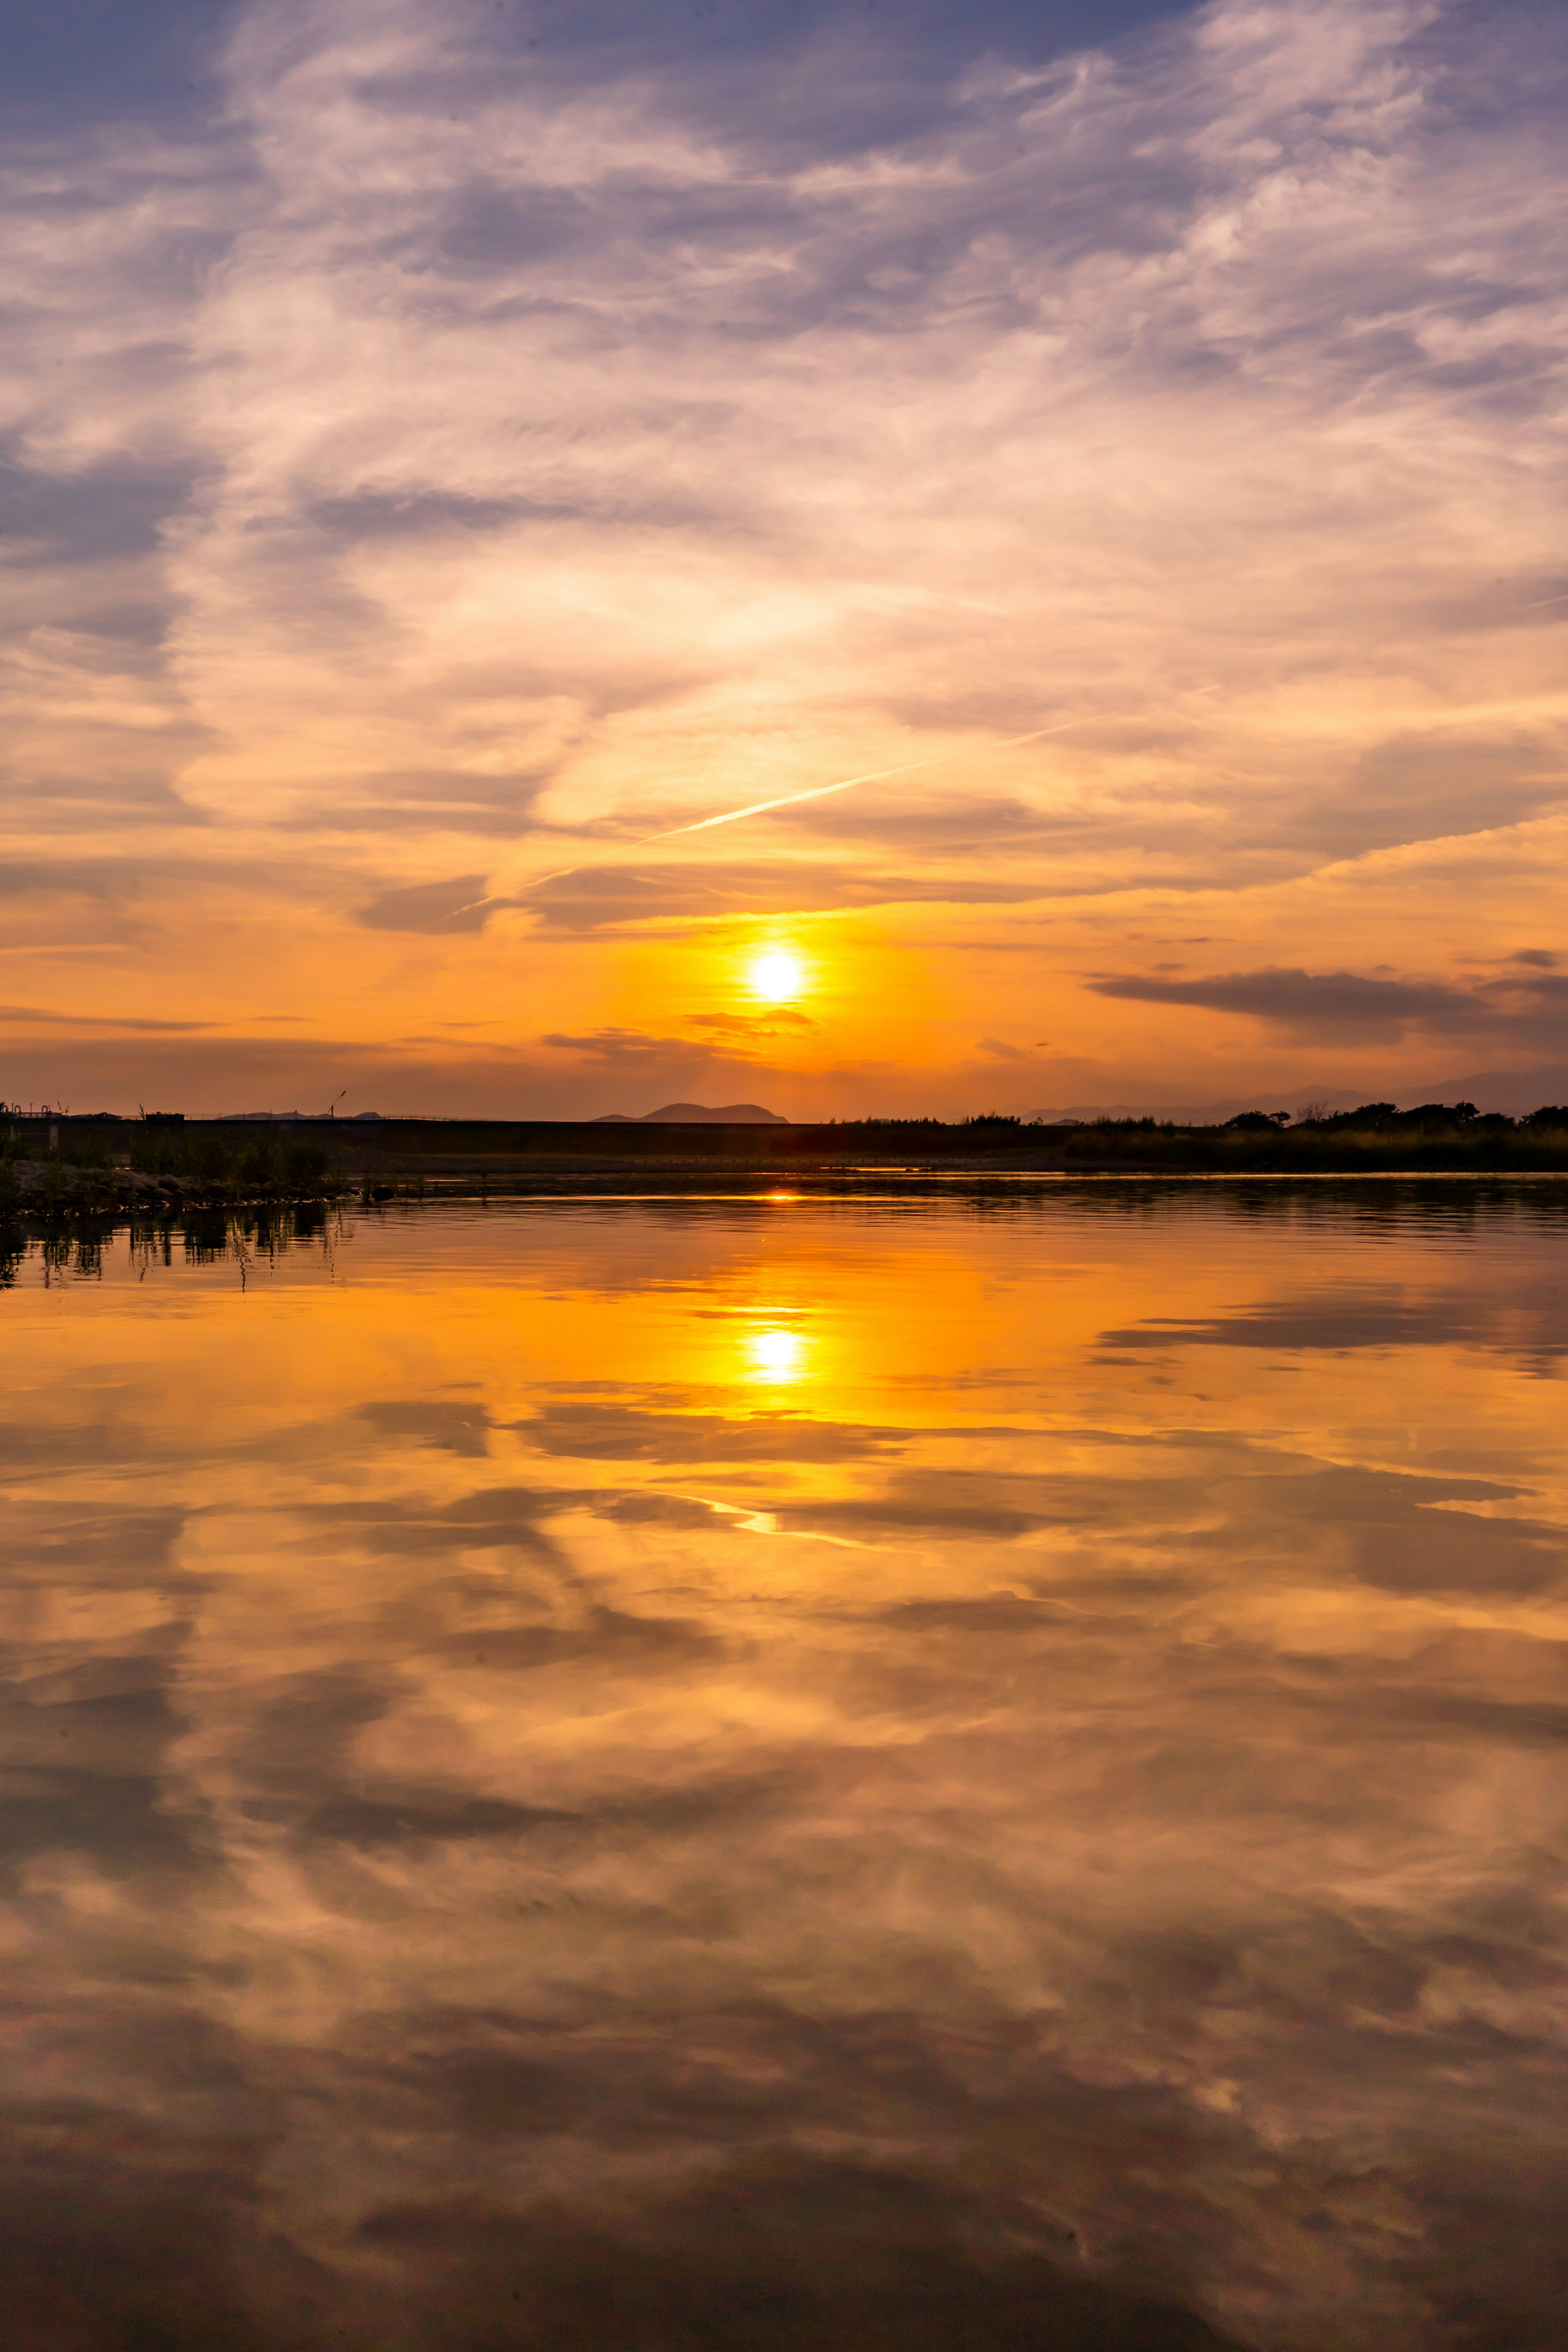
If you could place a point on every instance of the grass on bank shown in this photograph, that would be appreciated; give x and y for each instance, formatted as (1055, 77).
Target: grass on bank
(202, 1161)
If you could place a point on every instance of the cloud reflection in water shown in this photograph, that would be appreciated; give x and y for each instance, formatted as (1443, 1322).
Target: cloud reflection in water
(473, 1877)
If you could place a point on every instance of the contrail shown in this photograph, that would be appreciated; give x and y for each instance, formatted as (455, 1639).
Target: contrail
(873, 776)
(819, 792)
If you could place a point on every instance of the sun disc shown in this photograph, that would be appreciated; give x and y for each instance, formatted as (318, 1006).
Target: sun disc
(776, 974)
(776, 1355)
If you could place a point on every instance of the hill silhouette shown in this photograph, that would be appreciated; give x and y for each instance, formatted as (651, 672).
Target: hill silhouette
(686, 1114)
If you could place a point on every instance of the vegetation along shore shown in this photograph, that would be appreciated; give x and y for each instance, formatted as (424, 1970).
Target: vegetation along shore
(56, 1164)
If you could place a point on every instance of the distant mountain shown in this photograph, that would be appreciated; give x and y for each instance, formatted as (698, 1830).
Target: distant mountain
(697, 1115)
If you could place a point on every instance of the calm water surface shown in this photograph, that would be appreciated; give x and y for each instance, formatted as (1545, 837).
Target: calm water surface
(734, 1777)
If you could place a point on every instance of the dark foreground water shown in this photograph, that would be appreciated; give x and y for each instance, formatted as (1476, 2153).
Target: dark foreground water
(781, 1776)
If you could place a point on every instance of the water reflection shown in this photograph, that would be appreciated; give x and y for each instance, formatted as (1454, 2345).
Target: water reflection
(790, 1774)
(75, 1251)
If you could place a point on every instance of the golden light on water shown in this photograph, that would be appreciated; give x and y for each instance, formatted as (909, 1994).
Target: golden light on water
(844, 1606)
(776, 974)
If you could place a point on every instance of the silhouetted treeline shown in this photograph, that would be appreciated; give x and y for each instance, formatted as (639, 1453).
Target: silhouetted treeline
(1375, 1137)
(76, 1166)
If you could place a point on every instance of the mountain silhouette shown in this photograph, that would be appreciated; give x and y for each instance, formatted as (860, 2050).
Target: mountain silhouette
(696, 1115)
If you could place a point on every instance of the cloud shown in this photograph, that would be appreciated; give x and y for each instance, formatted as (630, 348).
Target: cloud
(751, 1024)
(428, 426)
(84, 63)
(1520, 1011)
(29, 1017)
(626, 1048)
(458, 905)
(69, 877)
(1326, 1005)
(607, 896)
(402, 803)
(207, 1073)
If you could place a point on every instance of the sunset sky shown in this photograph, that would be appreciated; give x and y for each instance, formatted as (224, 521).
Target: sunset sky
(1077, 487)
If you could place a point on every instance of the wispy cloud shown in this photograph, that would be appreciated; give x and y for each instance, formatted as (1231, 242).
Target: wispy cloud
(29, 1017)
(458, 905)
(673, 1059)
(751, 1024)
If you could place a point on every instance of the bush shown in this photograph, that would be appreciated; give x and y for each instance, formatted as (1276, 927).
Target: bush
(84, 1148)
(304, 1165)
(258, 1162)
(206, 1159)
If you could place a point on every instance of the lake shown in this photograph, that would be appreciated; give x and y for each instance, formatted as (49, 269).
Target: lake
(739, 1775)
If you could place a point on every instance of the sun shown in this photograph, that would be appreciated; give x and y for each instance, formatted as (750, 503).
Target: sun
(776, 1355)
(776, 975)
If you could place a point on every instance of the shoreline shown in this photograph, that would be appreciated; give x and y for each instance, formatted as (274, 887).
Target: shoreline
(62, 1169)
(167, 1205)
